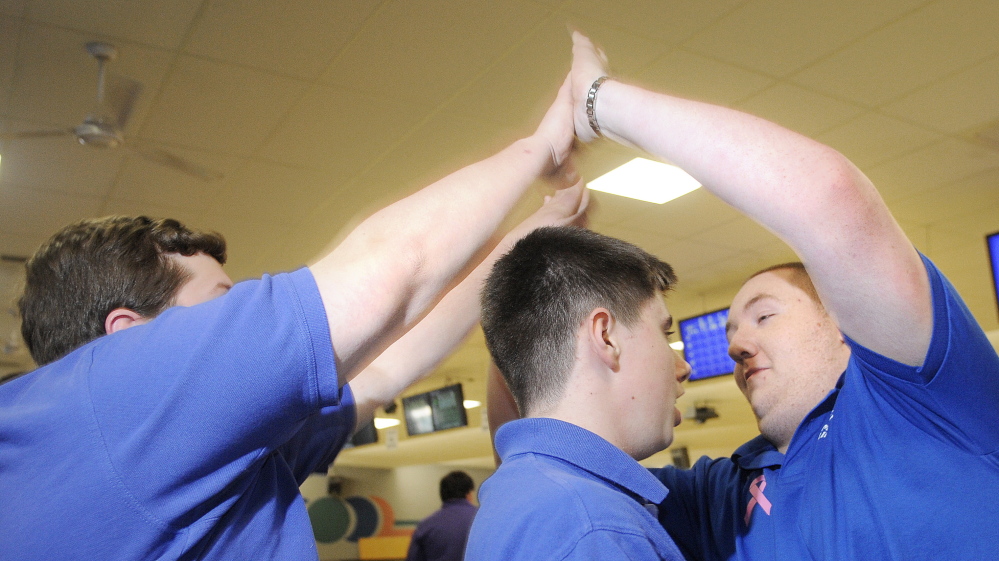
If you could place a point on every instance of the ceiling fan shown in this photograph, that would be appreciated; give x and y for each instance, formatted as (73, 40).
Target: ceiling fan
(103, 128)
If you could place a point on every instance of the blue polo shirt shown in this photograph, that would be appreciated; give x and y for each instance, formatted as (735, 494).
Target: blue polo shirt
(897, 462)
(185, 438)
(564, 493)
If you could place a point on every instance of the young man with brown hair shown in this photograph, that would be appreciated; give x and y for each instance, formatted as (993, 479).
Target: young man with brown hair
(180, 416)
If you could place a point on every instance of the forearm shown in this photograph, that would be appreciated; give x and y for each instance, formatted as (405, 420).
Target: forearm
(806, 193)
(394, 265)
(429, 342)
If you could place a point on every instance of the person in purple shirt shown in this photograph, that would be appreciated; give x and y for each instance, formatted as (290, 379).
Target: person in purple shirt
(442, 535)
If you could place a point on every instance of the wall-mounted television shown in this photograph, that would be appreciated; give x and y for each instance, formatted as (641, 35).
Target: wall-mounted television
(705, 346)
(435, 410)
(993, 242)
(367, 434)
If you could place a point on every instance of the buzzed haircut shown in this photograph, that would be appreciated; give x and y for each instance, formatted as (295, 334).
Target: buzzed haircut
(456, 485)
(92, 267)
(796, 275)
(538, 294)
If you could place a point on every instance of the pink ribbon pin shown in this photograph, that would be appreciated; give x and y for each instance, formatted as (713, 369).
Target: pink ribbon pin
(756, 490)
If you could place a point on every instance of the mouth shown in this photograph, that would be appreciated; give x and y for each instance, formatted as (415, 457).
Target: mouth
(677, 417)
(750, 372)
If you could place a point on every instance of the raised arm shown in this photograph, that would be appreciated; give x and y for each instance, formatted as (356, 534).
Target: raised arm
(808, 194)
(420, 350)
(395, 264)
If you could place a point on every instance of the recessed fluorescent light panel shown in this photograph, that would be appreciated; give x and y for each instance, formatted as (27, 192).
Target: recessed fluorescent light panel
(645, 180)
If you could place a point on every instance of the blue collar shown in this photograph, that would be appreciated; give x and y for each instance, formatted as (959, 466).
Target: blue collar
(759, 453)
(581, 448)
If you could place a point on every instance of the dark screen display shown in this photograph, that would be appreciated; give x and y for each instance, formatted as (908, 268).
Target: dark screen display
(705, 346)
(435, 410)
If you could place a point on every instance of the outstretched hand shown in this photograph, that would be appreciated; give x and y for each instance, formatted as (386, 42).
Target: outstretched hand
(556, 129)
(567, 207)
(588, 64)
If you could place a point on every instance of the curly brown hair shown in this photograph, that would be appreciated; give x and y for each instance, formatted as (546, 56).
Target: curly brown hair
(94, 266)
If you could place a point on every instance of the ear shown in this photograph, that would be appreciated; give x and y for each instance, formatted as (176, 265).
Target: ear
(602, 337)
(122, 318)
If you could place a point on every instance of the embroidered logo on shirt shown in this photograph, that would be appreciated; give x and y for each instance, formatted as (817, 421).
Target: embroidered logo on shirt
(756, 490)
(825, 428)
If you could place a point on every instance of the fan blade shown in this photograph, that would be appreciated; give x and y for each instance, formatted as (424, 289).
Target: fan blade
(36, 134)
(174, 161)
(120, 98)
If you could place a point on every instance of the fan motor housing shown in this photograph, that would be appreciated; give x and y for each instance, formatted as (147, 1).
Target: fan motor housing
(97, 134)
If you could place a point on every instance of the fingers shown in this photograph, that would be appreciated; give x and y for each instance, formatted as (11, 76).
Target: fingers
(588, 64)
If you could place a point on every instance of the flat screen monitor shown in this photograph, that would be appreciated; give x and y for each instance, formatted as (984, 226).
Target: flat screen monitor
(435, 410)
(367, 434)
(993, 241)
(705, 346)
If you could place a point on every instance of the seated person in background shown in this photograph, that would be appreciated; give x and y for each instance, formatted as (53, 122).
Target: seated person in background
(577, 324)
(174, 414)
(442, 535)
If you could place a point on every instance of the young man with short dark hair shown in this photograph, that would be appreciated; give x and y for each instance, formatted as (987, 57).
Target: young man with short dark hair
(577, 324)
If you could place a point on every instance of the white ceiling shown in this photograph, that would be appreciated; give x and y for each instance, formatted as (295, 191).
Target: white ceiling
(319, 111)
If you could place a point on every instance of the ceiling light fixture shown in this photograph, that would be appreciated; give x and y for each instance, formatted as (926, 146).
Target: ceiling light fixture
(677, 345)
(645, 180)
(471, 403)
(383, 423)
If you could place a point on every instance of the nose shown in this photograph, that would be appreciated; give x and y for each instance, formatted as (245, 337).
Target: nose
(682, 368)
(740, 346)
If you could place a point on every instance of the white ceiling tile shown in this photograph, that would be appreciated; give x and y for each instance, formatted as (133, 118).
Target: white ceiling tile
(917, 50)
(777, 37)
(17, 245)
(437, 148)
(963, 101)
(669, 21)
(610, 212)
(693, 76)
(10, 31)
(741, 233)
(148, 182)
(963, 197)
(59, 164)
(800, 110)
(873, 138)
(313, 133)
(162, 23)
(32, 212)
(519, 87)
(293, 38)
(218, 107)
(930, 167)
(628, 52)
(14, 8)
(688, 215)
(56, 80)
(686, 256)
(189, 218)
(641, 238)
(426, 49)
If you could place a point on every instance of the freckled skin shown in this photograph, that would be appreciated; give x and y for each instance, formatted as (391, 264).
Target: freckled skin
(789, 353)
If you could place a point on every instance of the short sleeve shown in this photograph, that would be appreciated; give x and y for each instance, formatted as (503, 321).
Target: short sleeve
(198, 395)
